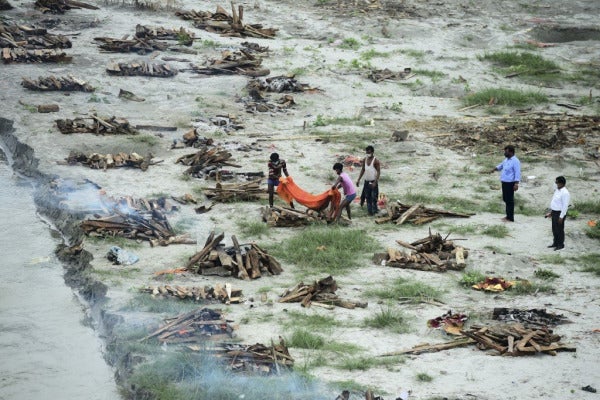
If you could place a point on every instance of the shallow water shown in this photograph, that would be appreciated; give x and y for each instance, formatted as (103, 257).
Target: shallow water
(46, 351)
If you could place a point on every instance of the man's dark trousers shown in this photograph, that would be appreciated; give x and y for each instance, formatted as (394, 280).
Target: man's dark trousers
(558, 230)
(371, 195)
(508, 196)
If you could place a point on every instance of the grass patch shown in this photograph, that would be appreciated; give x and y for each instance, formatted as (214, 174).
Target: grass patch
(423, 377)
(496, 231)
(588, 207)
(407, 290)
(253, 228)
(369, 54)
(304, 339)
(552, 259)
(350, 44)
(545, 274)
(448, 202)
(324, 121)
(591, 263)
(527, 287)
(418, 54)
(434, 75)
(522, 63)
(312, 322)
(326, 249)
(388, 318)
(507, 97)
(471, 278)
(358, 363)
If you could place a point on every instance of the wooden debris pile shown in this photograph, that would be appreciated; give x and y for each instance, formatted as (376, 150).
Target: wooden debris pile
(379, 75)
(135, 45)
(62, 83)
(226, 25)
(206, 160)
(194, 327)
(181, 35)
(30, 38)
(232, 62)
(255, 47)
(416, 214)
(106, 161)
(277, 84)
(97, 125)
(61, 6)
(256, 358)
(255, 103)
(141, 68)
(218, 293)
(286, 217)
(321, 293)
(246, 261)
(533, 318)
(516, 340)
(243, 191)
(432, 253)
(21, 55)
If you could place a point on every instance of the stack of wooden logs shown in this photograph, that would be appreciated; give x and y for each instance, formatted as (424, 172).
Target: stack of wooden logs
(105, 161)
(226, 25)
(380, 75)
(183, 36)
(432, 253)
(21, 55)
(256, 358)
(194, 327)
(232, 62)
(135, 45)
(516, 340)
(97, 125)
(243, 191)
(151, 226)
(286, 217)
(30, 38)
(61, 6)
(205, 160)
(242, 261)
(62, 83)
(321, 293)
(141, 68)
(277, 84)
(417, 214)
(221, 293)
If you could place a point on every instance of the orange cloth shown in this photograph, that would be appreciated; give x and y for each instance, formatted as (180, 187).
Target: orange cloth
(288, 191)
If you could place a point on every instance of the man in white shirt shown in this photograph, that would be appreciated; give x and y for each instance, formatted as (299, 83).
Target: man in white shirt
(559, 206)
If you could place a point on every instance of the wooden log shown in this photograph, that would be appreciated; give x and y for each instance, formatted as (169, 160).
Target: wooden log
(407, 214)
(242, 273)
(207, 248)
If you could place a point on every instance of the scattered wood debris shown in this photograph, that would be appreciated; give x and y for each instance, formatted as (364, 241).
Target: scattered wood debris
(277, 84)
(62, 83)
(286, 217)
(516, 340)
(533, 318)
(432, 253)
(206, 160)
(246, 261)
(97, 125)
(30, 38)
(492, 284)
(255, 47)
(432, 348)
(20, 55)
(256, 358)
(452, 323)
(227, 192)
(220, 293)
(258, 104)
(61, 6)
(127, 95)
(194, 327)
(106, 161)
(232, 62)
(416, 214)
(226, 25)
(379, 75)
(321, 293)
(141, 68)
(181, 35)
(135, 45)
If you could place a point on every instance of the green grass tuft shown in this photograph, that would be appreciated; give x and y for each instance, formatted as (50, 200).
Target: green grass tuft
(471, 278)
(508, 97)
(388, 318)
(423, 377)
(522, 63)
(496, 231)
(591, 263)
(545, 274)
(407, 290)
(304, 339)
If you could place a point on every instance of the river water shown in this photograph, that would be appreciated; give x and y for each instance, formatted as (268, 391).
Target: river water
(46, 351)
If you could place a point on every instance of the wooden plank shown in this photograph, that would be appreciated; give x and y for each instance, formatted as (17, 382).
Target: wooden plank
(407, 214)
(242, 273)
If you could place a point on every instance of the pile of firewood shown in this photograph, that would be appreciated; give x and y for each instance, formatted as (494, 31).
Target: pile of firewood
(232, 62)
(321, 293)
(226, 25)
(21, 55)
(106, 161)
(379, 75)
(243, 191)
(205, 160)
(97, 125)
(432, 253)
(61, 6)
(183, 36)
(63, 83)
(27, 37)
(141, 68)
(222, 293)
(286, 217)
(417, 214)
(253, 105)
(135, 45)
(516, 340)
(246, 261)
(277, 84)
(195, 326)
(256, 358)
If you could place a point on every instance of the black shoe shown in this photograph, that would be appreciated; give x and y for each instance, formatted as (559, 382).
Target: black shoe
(559, 248)
(552, 245)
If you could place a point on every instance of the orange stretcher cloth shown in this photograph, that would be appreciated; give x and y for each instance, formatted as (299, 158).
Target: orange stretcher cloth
(288, 191)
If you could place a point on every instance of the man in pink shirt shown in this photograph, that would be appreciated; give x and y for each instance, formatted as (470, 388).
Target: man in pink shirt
(345, 182)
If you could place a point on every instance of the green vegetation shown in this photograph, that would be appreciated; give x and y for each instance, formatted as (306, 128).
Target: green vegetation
(523, 63)
(313, 321)
(350, 44)
(526, 287)
(418, 54)
(369, 54)
(545, 274)
(252, 229)
(324, 121)
(553, 259)
(406, 290)
(304, 339)
(471, 278)
(388, 318)
(591, 263)
(588, 207)
(423, 377)
(448, 202)
(497, 231)
(326, 249)
(434, 75)
(506, 97)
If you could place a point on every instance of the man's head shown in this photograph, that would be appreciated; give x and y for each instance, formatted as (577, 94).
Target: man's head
(274, 157)
(509, 151)
(338, 167)
(560, 181)
(369, 150)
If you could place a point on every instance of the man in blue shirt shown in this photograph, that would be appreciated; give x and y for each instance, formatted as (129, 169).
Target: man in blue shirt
(510, 176)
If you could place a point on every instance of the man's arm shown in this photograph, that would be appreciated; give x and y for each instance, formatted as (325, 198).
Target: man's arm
(377, 166)
(284, 169)
(517, 168)
(337, 183)
(362, 171)
(565, 199)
